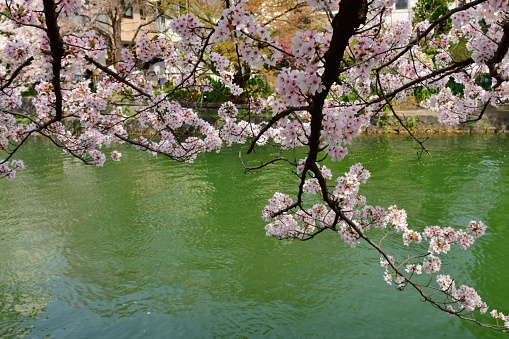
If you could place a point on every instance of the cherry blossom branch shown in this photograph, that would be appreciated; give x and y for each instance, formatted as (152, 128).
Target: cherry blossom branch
(479, 116)
(350, 16)
(16, 72)
(425, 33)
(271, 123)
(138, 29)
(415, 285)
(200, 59)
(454, 68)
(117, 77)
(503, 47)
(17, 146)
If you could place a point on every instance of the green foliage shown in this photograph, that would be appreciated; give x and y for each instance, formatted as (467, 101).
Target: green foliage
(258, 87)
(411, 122)
(459, 51)
(456, 89)
(350, 97)
(383, 119)
(422, 93)
(484, 81)
(181, 94)
(220, 93)
(30, 92)
(432, 10)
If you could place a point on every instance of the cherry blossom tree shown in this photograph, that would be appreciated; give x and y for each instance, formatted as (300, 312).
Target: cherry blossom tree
(284, 17)
(339, 77)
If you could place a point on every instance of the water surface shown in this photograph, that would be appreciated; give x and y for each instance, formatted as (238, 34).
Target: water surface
(149, 248)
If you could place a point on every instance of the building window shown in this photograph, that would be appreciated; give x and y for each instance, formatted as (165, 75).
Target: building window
(143, 16)
(161, 24)
(401, 4)
(128, 12)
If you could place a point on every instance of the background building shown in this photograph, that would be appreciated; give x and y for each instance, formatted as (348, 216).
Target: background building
(403, 8)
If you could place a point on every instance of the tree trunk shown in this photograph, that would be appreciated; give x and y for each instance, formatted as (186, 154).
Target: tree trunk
(116, 41)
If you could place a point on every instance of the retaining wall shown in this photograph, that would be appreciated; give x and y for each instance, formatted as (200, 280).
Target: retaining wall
(419, 121)
(494, 120)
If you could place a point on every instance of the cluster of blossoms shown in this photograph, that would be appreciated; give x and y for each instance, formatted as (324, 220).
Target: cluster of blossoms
(191, 31)
(219, 61)
(235, 130)
(483, 43)
(23, 12)
(340, 127)
(286, 224)
(309, 46)
(9, 171)
(167, 116)
(70, 8)
(464, 298)
(440, 241)
(147, 49)
(255, 43)
(87, 44)
(288, 221)
(499, 315)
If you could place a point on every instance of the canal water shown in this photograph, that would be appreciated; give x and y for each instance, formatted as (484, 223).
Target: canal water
(149, 248)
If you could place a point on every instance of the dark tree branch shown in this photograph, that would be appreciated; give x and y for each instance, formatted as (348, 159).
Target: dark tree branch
(424, 295)
(138, 29)
(264, 164)
(351, 14)
(16, 72)
(479, 116)
(117, 77)
(503, 47)
(454, 68)
(57, 52)
(272, 121)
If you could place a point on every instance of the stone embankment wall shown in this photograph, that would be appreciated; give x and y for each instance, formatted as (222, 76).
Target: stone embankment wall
(494, 120)
(418, 121)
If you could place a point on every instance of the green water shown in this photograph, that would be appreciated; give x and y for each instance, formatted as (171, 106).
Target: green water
(148, 248)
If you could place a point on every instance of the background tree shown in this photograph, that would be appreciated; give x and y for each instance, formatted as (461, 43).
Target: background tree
(110, 18)
(282, 18)
(432, 10)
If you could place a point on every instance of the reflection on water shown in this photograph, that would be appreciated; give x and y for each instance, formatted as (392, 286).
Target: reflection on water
(151, 248)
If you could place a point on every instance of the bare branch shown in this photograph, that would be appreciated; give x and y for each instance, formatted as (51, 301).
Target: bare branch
(382, 92)
(264, 164)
